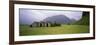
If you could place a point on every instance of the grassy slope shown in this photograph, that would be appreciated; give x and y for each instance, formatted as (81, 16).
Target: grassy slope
(64, 29)
(83, 21)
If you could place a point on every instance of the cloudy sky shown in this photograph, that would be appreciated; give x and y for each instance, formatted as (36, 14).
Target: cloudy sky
(27, 16)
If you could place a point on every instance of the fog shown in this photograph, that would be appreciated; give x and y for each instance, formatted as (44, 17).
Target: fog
(28, 16)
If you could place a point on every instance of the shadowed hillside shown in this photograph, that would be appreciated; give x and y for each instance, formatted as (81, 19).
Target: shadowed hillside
(84, 20)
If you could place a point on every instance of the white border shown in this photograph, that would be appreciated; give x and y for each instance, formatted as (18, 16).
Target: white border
(44, 37)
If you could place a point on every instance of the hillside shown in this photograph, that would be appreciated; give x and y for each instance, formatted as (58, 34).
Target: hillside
(84, 20)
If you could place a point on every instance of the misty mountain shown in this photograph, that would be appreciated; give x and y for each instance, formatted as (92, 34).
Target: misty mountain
(59, 19)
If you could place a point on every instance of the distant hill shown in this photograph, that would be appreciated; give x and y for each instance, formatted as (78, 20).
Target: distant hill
(61, 19)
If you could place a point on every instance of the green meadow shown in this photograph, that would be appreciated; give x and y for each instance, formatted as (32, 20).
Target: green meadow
(81, 26)
(63, 29)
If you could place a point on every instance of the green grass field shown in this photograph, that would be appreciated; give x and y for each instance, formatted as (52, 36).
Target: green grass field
(64, 29)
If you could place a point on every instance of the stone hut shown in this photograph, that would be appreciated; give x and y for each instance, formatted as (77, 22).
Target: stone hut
(44, 24)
